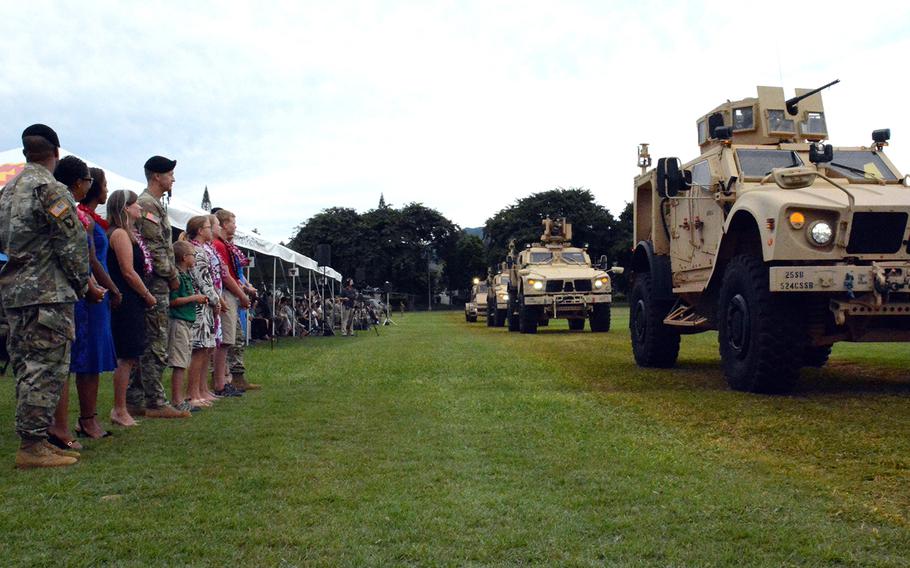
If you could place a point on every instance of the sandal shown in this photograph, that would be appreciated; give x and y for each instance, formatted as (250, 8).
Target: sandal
(81, 433)
(60, 443)
(119, 423)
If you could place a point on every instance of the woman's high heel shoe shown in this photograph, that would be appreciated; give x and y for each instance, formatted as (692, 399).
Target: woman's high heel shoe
(80, 429)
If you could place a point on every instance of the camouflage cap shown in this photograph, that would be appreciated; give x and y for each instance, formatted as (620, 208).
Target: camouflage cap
(160, 165)
(43, 131)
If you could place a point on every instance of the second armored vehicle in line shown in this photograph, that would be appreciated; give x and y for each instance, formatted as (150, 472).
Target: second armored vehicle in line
(553, 279)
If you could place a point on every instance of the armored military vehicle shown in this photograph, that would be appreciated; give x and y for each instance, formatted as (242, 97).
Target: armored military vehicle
(474, 307)
(782, 243)
(553, 279)
(498, 297)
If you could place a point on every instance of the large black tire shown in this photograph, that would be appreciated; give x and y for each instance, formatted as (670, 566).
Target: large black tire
(501, 316)
(576, 324)
(653, 343)
(600, 318)
(760, 339)
(491, 315)
(543, 322)
(513, 312)
(816, 356)
(527, 317)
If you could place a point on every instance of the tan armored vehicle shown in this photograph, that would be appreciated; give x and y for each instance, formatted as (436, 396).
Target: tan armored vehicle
(476, 301)
(498, 297)
(783, 244)
(553, 279)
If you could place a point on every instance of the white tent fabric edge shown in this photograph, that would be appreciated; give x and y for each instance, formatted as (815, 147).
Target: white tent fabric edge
(179, 212)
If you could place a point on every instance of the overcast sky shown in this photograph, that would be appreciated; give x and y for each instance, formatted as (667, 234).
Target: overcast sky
(286, 108)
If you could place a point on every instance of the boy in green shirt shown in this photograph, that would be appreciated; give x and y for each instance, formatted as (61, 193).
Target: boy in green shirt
(182, 315)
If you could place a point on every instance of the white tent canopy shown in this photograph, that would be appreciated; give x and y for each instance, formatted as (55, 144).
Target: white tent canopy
(179, 212)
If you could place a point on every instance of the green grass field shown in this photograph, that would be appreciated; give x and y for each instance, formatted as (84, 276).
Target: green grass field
(446, 443)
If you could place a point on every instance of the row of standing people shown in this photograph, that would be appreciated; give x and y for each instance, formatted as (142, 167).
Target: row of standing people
(86, 295)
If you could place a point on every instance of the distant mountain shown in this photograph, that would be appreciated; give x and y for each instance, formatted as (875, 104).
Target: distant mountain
(476, 231)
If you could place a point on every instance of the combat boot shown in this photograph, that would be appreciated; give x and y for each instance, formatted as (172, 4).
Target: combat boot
(166, 411)
(239, 381)
(60, 451)
(37, 455)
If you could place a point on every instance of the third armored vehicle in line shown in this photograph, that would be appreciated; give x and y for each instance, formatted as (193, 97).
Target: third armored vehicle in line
(474, 307)
(498, 297)
(782, 243)
(553, 279)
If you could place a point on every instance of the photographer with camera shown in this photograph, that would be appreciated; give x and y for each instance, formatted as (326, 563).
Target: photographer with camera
(348, 298)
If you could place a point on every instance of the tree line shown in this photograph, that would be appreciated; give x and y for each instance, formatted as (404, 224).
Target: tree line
(414, 245)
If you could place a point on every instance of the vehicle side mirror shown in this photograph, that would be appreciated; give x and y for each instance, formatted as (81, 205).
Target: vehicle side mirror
(881, 136)
(723, 133)
(670, 177)
(602, 262)
(821, 153)
(617, 270)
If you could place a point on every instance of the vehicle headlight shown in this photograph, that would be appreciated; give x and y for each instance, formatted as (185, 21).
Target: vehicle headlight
(820, 233)
(505, 297)
(536, 284)
(601, 282)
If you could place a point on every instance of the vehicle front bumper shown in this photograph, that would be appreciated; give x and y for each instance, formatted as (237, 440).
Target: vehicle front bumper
(568, 299)
(856, 292)
(879, 277)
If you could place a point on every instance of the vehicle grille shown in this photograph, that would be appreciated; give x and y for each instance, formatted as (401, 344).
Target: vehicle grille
(877, 233)
(568, 285)
(554, 285)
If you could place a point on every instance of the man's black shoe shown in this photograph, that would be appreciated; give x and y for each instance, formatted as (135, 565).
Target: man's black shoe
(228, 390)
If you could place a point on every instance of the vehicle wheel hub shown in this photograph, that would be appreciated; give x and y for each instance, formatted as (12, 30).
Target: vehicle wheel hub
(738, 325)
(639, 327)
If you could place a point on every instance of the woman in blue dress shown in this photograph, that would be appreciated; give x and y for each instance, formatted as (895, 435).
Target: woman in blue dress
(75, 175)
(96, 354)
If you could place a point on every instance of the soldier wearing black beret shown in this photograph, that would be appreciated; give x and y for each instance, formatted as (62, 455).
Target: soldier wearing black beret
(46, 274)
(145, 394)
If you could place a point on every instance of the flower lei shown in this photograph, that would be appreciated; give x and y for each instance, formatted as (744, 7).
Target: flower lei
(94, 215)
(146, 253)
(240, 260)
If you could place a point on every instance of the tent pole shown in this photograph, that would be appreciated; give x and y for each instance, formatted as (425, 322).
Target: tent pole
(274, 287)
(309, 298)
(294, 306)
(246, 328)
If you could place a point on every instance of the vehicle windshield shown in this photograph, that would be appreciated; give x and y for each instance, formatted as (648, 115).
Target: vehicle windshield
(759, 163)
(504, 280)
(481, 288)
(860, 165)
(573, 257)
(542, 257)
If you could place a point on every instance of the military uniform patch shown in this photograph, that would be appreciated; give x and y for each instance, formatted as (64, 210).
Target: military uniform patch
(152, 217)
(58, 208)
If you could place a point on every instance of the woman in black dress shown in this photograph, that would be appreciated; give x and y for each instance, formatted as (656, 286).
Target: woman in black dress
(128, 264)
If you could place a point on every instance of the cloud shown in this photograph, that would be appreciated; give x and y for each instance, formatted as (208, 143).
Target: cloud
(283, 109)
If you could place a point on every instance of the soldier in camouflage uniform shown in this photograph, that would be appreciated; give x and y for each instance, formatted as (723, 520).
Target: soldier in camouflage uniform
(46, 274)
(145, 387)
